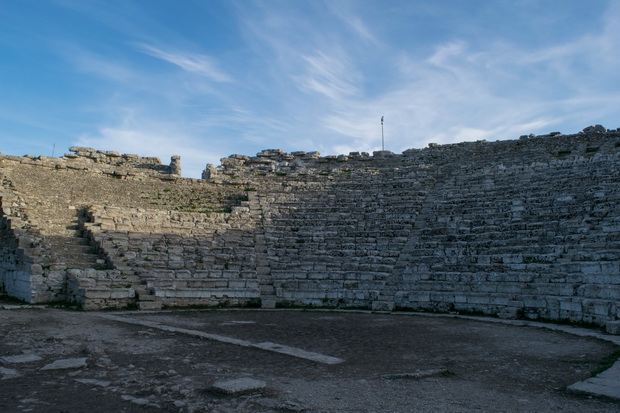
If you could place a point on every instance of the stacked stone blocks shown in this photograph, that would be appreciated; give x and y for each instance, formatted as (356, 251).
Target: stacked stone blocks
(180, 258)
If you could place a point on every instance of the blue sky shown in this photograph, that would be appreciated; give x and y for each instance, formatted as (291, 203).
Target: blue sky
(205, 78)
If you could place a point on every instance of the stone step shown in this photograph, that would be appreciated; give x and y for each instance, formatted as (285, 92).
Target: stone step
(155, 284)
(207, 293)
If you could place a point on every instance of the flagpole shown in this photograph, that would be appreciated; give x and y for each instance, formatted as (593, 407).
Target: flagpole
(382, 140)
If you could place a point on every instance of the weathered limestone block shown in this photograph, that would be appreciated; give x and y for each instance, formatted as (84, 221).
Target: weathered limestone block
(117, 293)
(91, 293)
(175, 165)
(571, 305)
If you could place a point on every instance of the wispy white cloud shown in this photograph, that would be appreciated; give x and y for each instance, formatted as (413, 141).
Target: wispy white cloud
(107, 67)
(446, 53)
(248, 126)
(199, 64)
(361, 29)
(492, 90)
(329, 76)
(353, 21)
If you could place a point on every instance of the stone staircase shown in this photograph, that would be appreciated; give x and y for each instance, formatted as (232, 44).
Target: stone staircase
(267, 290)
(180, 259)
(62, 231)
(59, 225)
(146, 298)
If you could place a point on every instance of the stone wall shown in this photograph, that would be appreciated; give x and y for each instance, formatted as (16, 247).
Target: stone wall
(103, 162)
(29, 270)
(129, 162)
(242, 168)
(15, 274)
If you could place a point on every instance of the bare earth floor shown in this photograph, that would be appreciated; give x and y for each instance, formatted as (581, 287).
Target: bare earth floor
(54, 360)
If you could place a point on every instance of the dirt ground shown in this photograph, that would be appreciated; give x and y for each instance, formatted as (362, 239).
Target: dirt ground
(390, 363)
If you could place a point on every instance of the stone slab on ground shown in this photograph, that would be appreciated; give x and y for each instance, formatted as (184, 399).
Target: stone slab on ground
(268, 346)
(606, 383)
(8, 373)
(21, 358)
(94, 382)
(296, 352)
(238, 386)
(75, 363)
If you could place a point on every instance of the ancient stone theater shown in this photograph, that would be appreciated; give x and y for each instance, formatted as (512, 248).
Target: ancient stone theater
(526, 228)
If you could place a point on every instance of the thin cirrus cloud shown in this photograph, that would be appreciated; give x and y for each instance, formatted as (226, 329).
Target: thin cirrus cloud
(415, 102)
(105, 68)
(328, 76)
(198, 64)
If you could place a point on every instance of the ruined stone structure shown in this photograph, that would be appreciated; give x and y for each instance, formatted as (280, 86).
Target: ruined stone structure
(524, 228)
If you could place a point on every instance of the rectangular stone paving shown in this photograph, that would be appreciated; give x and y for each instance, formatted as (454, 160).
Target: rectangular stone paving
(268, 346)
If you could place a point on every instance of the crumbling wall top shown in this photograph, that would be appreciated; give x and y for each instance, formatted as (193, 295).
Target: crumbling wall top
(106, 162)
(527, 148)
(110, 157)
